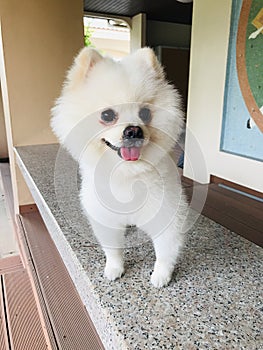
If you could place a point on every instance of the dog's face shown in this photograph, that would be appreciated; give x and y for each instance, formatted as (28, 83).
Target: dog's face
(125, 108)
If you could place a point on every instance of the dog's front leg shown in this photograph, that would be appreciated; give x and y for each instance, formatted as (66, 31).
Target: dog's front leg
(111, 240)
(167, 246)
(114, 263)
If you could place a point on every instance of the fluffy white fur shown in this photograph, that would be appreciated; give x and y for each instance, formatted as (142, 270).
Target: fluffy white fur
(116, 193)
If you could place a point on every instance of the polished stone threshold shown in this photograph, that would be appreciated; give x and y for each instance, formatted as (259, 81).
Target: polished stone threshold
(213, 302)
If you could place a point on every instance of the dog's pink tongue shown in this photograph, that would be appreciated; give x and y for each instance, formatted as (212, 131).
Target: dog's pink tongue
(132, 153)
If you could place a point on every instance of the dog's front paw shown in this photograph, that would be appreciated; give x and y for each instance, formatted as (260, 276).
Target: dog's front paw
(161, 277)
(113, 272)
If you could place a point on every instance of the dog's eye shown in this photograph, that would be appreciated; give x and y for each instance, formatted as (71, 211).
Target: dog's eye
(145, 115)
(108, 116)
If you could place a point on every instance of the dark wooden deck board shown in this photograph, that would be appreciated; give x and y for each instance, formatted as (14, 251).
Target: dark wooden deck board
(24, 326)
(3, 331)
(70, 320)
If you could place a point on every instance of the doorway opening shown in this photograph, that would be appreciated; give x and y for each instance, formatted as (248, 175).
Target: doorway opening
(111, 36)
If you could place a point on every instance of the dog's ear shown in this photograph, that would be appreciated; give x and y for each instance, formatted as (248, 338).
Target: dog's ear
(83, 64)
(147, 57)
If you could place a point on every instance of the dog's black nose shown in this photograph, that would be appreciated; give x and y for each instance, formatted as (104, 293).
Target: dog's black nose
(133, 132)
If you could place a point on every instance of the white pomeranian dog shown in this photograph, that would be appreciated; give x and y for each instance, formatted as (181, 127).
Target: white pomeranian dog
(120, 120)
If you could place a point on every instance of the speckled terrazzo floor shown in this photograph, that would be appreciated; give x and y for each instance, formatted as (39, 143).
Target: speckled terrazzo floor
(213, 302)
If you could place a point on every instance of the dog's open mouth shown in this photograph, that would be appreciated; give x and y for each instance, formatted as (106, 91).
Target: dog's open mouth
(129, 151)
(131, 143)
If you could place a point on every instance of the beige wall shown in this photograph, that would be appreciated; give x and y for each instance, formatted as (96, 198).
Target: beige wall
(39, 41)
(209, 45)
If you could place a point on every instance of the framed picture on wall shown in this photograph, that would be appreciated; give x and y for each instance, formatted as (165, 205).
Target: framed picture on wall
(242, 129)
